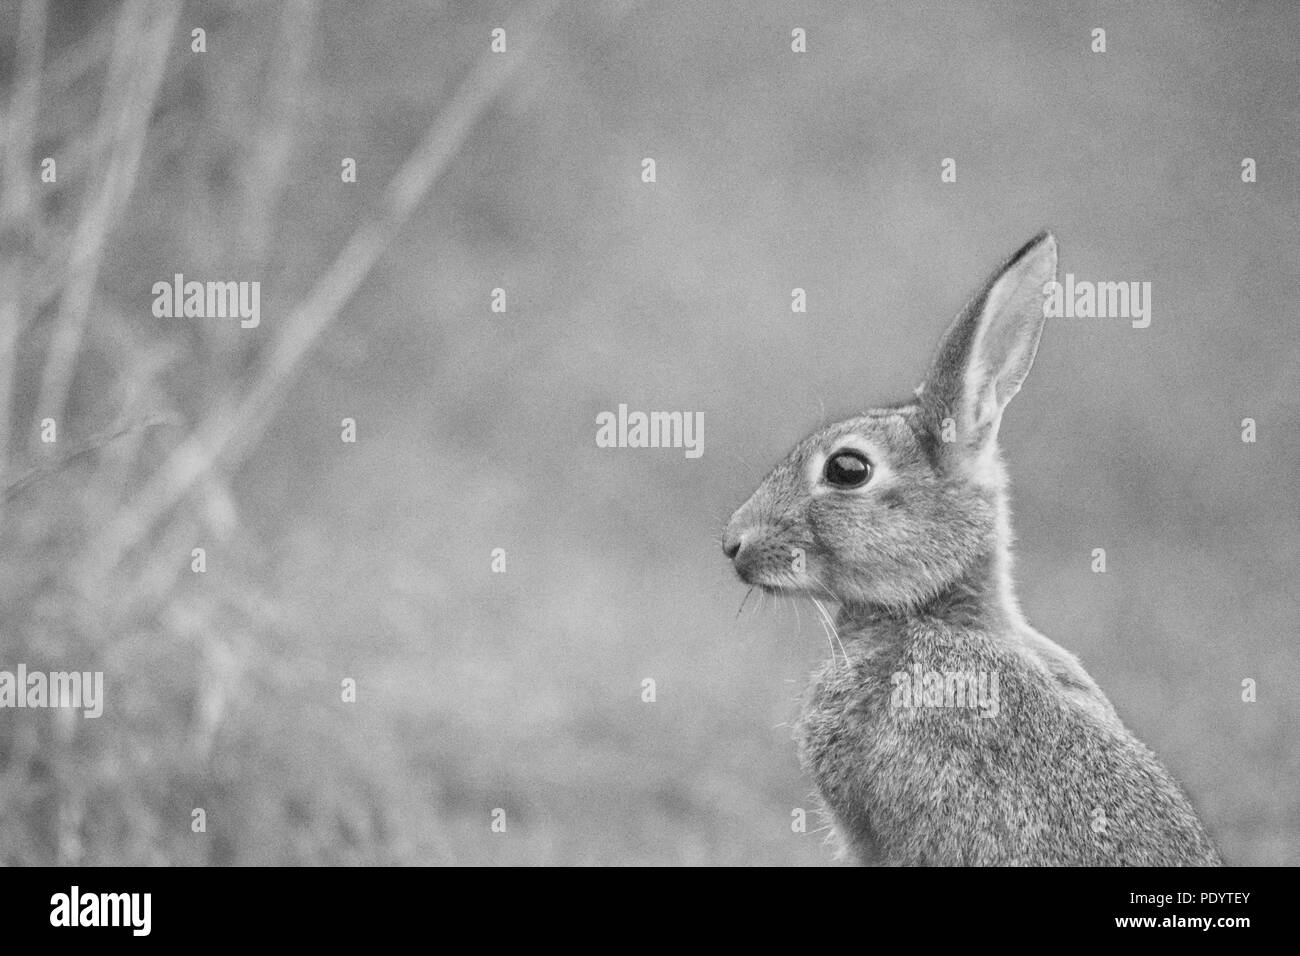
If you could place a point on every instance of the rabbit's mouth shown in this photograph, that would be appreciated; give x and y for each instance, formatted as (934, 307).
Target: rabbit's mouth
(786, 581)
(774, 581)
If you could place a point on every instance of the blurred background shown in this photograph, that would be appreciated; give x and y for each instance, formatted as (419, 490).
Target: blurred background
(521, 170)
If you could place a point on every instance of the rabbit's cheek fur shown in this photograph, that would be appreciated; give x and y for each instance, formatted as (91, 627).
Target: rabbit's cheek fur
(899, 546)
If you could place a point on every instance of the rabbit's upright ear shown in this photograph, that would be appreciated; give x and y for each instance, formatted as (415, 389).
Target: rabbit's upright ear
(985, 355)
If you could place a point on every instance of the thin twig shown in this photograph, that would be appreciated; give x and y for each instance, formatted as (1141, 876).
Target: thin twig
(265, 171)
(135, 75)
(15, 205)
(20, 122)
(15, 486)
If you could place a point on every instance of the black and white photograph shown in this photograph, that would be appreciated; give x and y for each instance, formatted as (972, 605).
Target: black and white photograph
(693, 433)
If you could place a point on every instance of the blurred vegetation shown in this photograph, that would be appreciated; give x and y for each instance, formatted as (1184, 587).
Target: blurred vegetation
(371, 561)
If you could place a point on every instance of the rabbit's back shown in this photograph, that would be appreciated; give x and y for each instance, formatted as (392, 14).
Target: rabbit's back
(1039, 774)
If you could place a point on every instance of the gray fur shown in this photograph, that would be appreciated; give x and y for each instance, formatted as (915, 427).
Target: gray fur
(919, 562)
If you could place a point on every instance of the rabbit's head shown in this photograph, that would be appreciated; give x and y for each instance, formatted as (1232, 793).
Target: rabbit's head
(895, 507)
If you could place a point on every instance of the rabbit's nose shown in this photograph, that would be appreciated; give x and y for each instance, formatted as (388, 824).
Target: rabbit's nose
(732, 544)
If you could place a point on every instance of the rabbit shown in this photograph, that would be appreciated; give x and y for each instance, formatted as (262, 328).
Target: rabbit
(900, 515)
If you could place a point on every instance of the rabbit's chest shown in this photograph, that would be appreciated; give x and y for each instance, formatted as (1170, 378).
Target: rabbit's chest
(836, 735)
(844, 703)
(866, 723)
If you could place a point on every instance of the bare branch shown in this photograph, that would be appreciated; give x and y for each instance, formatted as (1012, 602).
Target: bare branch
(132, 86)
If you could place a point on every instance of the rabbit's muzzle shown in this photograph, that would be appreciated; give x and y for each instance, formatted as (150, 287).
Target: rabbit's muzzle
(754, 556)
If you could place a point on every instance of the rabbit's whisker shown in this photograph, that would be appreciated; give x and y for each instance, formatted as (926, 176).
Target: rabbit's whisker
(743, 600)
(831, 629)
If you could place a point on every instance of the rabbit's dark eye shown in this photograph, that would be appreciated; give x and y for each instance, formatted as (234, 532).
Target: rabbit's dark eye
(847, 469)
